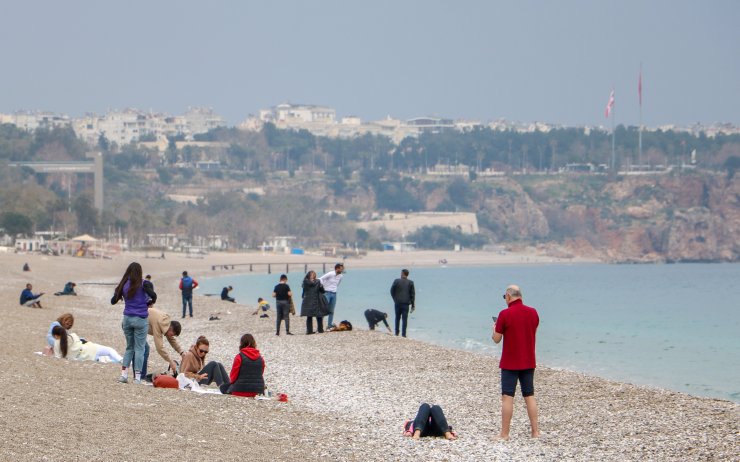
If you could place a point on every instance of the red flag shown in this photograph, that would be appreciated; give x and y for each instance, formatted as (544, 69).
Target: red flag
(610, 104)
(639, 87)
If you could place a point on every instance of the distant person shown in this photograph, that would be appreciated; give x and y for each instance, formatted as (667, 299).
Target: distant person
(330, 281)
(225, 294)
(148, 281)
(70, 346)
(69, 289)
(429, 421)
(137, 299)
(282, 295)
(161, 327)
(517, 326)
(187, 284)
(65, 320)
(404, 295)
(29, 299)
(194, 367)
(247, 369)
(26, 267)
(313, 304)
(375, 317)
(262, 307)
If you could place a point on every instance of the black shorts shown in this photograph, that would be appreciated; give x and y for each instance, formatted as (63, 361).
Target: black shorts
(509, 379)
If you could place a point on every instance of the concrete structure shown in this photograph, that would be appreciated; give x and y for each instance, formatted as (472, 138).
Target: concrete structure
(403, 224)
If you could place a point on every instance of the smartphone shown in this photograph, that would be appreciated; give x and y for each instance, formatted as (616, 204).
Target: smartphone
(494, 318)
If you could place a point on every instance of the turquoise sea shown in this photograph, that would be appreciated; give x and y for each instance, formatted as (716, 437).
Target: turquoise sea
(669, 326)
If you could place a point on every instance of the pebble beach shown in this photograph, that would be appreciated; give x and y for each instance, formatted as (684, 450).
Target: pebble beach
(349, 392)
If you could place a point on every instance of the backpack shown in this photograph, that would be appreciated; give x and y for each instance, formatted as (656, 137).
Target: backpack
(187, 283)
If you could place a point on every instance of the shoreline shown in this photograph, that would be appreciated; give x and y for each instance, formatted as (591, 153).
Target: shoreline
(365, 381)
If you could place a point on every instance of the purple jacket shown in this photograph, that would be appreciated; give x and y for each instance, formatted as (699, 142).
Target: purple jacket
(136, 306)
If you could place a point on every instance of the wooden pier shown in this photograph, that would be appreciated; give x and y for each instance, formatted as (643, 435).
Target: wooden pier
(271, 266)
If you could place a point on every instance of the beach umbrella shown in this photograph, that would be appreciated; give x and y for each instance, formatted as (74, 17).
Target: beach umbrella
(84, 238)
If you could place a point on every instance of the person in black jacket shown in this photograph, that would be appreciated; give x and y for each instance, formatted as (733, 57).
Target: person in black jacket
(246, 375)
(404, 295)
(225, 294)
(314, 304)
(375, 317)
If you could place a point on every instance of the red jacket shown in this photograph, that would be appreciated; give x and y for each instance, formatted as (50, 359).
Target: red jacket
(251, 353)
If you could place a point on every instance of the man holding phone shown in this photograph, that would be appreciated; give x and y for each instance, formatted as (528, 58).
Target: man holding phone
(517, 327)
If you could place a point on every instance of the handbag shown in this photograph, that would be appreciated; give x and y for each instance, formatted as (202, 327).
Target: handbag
(292, 305)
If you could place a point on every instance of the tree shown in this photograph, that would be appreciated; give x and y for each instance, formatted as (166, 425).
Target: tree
(87, 216)
(16, 223)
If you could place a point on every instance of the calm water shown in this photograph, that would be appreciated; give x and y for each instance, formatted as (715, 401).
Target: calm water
(670, 326)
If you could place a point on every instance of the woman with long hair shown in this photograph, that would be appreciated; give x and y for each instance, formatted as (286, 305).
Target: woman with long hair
(247, 369)
(137, 298)
(70, 346)
(314, 302)
(193, 366)
(66, 320)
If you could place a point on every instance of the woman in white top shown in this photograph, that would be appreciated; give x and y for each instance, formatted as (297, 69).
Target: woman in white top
(69, 345)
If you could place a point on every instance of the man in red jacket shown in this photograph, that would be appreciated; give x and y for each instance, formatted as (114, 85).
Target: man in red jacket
(517, 326)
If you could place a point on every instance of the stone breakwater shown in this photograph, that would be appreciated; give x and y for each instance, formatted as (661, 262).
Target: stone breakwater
(349, 394)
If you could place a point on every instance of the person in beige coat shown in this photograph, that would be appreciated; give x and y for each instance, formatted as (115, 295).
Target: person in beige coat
(160, 327)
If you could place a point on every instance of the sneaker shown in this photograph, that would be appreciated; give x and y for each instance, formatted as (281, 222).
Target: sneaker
(123, 379)
(137, 381)
(289, 333)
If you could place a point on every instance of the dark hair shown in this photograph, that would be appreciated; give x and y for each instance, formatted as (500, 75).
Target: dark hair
(405, 272)
(202, 340)
(148, 276)
(308, 275)
(184, 273)
(247, 340)
(62, 333)
(260, 299)
(176, 328)
(283, 277)
(132, 274)
(231, 288)
(338, 265)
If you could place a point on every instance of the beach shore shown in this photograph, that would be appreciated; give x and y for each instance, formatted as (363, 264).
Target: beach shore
(349, 393)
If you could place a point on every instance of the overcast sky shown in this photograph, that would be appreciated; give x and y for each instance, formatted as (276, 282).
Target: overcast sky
(551, 61)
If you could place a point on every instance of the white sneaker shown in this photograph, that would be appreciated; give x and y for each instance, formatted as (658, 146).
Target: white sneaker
(123, 379)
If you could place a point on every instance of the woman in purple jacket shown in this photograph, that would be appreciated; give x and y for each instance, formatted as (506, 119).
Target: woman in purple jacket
(137, 298)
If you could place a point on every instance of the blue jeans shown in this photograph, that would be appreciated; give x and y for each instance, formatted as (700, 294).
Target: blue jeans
(331, 302)
(146, 360)
(187, 300)
(402, 314)
(135, 330)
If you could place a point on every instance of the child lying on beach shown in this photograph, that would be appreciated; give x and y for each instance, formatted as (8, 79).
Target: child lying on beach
(429, 421)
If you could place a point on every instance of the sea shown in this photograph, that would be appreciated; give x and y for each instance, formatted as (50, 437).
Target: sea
(672, 326)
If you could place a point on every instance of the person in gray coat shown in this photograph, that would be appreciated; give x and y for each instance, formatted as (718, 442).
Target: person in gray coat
(404, 295)
(314, 303)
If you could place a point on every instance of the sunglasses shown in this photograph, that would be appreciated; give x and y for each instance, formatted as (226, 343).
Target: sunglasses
(504, 296)
(205, 352)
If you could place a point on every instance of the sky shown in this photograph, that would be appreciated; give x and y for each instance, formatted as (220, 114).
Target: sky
(524, 60)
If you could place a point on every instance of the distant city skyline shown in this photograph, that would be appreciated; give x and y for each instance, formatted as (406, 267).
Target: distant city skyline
(554, 62)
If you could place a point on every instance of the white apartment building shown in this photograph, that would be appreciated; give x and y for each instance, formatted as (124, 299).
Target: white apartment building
(297, 114)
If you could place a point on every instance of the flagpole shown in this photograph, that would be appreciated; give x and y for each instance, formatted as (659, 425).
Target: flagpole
(639, 133)
(614, 157)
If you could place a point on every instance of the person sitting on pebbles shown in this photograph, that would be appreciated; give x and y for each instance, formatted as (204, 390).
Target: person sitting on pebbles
(28, 298)
(67, 321)
(247, 370)
(194, 367)
(429, 421)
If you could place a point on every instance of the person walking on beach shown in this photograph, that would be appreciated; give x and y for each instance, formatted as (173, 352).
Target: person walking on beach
(375, 317)
(187, 284)
(404, 295)
(517, 326)
(313, 304)
(330, 281)
(29, 299)
(282, 295)
(137, 299)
